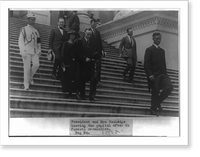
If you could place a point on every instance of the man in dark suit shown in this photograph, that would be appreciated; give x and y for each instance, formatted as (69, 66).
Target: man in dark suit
(158, 81)
(57, 37)
(127, 50)
(74, 23)
(97, 44)
(87, 64)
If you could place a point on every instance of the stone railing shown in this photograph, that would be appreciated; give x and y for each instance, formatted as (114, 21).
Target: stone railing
(144, 23)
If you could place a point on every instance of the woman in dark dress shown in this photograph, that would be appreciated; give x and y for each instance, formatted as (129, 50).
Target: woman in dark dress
(70, 76)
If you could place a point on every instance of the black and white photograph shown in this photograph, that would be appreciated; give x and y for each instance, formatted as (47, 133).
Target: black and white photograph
(94, 72)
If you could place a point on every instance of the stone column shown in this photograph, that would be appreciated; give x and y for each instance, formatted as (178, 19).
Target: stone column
(84, 19)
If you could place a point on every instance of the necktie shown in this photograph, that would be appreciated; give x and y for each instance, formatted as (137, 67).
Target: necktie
(94, 32)
(131, 41)
(61, 30)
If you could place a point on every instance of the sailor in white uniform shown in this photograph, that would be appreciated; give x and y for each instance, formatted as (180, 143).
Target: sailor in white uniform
(30, 50)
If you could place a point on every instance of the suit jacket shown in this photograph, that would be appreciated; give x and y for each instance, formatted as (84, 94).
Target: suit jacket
(154, 63)
(86, 51)
(127, 49)
(97, 42)
(56, 40)
(74, 23)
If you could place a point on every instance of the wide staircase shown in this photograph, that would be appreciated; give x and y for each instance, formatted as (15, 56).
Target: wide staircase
(116, 98)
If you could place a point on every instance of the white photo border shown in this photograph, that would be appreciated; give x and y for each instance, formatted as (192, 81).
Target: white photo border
(183, 53)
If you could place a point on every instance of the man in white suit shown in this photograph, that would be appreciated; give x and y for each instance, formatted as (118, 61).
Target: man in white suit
(30, 50)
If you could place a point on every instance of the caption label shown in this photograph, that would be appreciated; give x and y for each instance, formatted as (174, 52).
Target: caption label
(100, 127)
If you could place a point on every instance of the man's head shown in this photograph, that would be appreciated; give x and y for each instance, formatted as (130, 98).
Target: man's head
(31, 19)
(61, 22)
(129, 31)
(93, 23)
(156, 38)
(88, 33)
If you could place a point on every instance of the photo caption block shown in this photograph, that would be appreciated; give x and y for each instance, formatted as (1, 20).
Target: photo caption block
(101, 127)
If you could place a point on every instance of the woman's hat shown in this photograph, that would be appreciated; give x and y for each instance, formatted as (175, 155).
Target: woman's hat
(71, 32)
(30, 15)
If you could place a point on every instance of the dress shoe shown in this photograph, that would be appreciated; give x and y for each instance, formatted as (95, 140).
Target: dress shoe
(99, 83)
(93, 99)
(83, 98)
(54, 76)
(154, 112)
(31, 82)
(160, 108)
(26, 88)
(69, 96)
(124, 76)
(78, 97)
(130, 81)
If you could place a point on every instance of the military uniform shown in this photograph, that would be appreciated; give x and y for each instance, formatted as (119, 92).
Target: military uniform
(30, 50)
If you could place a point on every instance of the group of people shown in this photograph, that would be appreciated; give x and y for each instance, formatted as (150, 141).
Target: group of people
(78, 60)
(159, 83)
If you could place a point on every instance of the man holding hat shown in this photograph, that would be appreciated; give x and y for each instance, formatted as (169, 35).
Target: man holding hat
(57, 37)
(30, 49)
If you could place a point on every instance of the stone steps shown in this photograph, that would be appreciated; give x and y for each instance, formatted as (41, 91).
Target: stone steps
(113, 84)
(106, 63)
(116, 98)
(48, 70)
(83, 107)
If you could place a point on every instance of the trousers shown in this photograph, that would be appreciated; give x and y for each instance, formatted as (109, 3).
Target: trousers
(131, 65)
(157, 97)
(57, 65)
(29, 71)
(88, 74)
(98, 64)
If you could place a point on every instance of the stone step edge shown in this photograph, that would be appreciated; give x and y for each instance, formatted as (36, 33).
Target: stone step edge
(81, 113)
(87, 102)
(15, 59)
(144, 84)
(123, 62)
(100, 90)
(98, 95)
(105, 77)
(105, 72)
(106, 86)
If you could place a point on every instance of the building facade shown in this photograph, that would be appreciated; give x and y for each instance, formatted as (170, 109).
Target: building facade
(114, 24)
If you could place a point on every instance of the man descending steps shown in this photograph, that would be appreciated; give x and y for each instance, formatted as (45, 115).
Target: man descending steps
(127, 50)
(30, 50)
(155, 67)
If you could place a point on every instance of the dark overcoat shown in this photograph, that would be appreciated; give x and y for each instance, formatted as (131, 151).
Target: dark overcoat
(86, 51)
(154, 63)
(56, 40)
(70, 75)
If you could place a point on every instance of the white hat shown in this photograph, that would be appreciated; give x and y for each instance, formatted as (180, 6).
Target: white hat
(30, 15)
(51, 56)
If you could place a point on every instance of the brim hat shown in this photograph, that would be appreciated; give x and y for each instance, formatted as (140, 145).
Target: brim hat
(51, 56)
